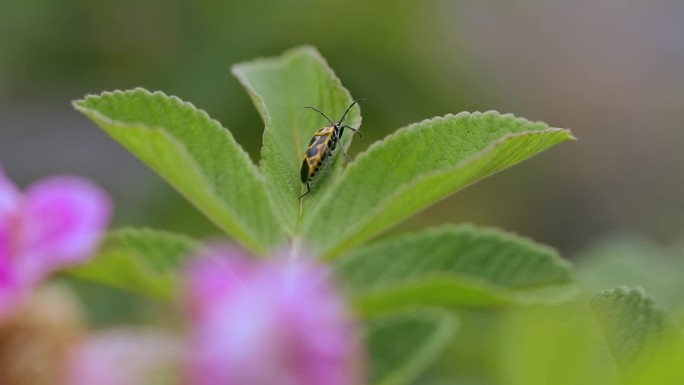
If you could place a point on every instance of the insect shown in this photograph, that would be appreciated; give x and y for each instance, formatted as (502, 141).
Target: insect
(322, 145)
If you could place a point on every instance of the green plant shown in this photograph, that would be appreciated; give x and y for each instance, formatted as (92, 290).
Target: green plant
(387, 281)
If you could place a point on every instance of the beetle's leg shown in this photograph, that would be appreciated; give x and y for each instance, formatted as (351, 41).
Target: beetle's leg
(308, 190)
(353, 129)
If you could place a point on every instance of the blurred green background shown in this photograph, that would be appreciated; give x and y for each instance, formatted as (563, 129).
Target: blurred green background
(612, 71)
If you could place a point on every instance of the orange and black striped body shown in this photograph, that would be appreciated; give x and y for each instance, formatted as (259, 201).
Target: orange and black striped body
(321, 148)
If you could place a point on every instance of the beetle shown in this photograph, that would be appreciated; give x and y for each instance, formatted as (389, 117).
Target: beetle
(322, 146)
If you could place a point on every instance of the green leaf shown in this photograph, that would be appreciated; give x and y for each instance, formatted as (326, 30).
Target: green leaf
(147, 262)
(632, 323)
(456, 266)
(196, 155)
(401, 347)
(632, 260)
(280, 88)
(414, 168)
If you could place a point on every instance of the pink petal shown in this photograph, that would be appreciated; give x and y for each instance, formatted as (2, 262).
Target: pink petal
(280, 322)
(62, 221)
(57, 222)
(9, 195)
(223, 269)
(126, 357)
(9, 206)
(10, 200)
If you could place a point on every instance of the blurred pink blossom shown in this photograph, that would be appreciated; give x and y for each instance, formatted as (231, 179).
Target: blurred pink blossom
(278, 322)
(57, 222)
(126, 357)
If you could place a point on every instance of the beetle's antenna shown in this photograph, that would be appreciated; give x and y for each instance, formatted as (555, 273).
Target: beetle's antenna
(320, 112)
(349, 108)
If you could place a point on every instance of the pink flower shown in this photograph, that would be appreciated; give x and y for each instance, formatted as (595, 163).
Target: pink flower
(126, 357)
(280, 322)
(56, 223)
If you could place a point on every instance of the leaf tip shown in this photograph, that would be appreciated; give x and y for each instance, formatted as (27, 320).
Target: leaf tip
(302, 49)
(607, 297)
(238, 68)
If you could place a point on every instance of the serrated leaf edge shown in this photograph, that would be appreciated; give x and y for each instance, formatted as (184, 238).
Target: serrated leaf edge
(516, 294)
(379, 208)
(251, 243)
